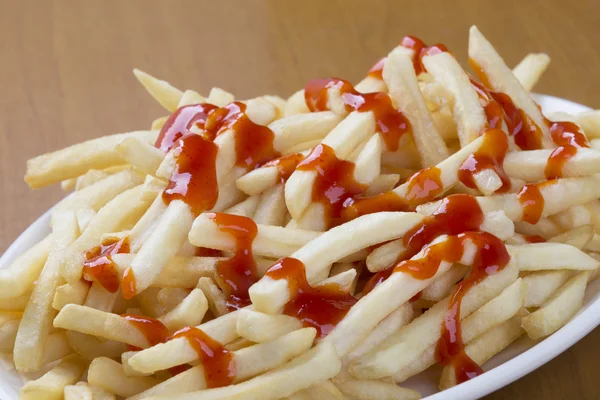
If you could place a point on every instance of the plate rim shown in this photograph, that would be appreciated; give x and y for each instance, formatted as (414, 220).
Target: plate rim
(492, 380)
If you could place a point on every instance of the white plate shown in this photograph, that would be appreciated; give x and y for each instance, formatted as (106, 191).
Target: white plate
(516, 361)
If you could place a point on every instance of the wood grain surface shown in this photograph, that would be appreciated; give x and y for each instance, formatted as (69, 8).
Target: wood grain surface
(65, 76)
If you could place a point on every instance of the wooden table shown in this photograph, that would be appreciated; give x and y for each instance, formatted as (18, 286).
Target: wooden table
(65, 76)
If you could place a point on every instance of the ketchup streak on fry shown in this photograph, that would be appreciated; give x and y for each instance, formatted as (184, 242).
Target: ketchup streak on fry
(217, 361)
(99, 265)
(499, 108)
(390, 123)
(420, 49)
(321, 307)
(235, 275)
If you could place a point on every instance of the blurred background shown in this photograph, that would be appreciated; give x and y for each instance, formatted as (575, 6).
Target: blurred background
(65, 76)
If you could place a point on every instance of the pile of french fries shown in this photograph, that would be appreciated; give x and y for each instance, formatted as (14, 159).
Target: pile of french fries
(328, 246)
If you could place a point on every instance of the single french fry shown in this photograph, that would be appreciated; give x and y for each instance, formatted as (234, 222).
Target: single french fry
(270, 241)
(245, 208)
(37, 318)
(189, 312)
(270, 295)
(56, 347)
(312, 367)
(390, 324)
(70, 294)
(179, 351)
(550, 256)
(271, 208)
(190, 97)
(542, 284)
(531, 68)
(382, 183)
(8, 334)
(140, 154)
(162, 244)
(219, 97)
(573, 217)
(99, 323)
(577, 237)
(100, 193)
(467, 110)
(557, 310)
(18, 278)
(51, 385)
(76, 160)
(399, 76)
(110, 376)
(119, 213)
(492, 70)
(99, 298)
(530, 165)
(90, 347)
(544, 228)
(90, 177)
(169, 298)
(258, 327)
(581, 191)
(217, 301)
(590, 122)
(183, 272)
(17, 303)
(485, 346)
(296, 104)
(166, 95)
(442, 286)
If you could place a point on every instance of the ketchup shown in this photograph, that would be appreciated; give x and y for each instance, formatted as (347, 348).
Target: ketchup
(456, 214)
(499, 107)
(334, 183)
(321, 307)
(390, 123)
(286, 165)
(420, 50)
(490, 156)
(569, 138)
(235, 275)
(99, 265)
(217, 361)
(423, 186)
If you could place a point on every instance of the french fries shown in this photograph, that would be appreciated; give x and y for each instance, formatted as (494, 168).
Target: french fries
(327, 246)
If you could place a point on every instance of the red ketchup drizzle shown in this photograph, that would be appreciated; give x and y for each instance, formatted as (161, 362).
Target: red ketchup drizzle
(534, 239)
(423, 186)
(568, 137)
(99, 265)
(217, 361)
(499, 107)
(490, 156)
(194, 180)
(456, 214)
(286, 165)
(153, 330)
(235, 275)
(321, 307)
(180, 122)
(334, 183)
(532, 202)
(390, 123)
(419, 48)
(491, 257)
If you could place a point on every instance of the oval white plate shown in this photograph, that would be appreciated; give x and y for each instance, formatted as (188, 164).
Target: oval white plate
(516, 361)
